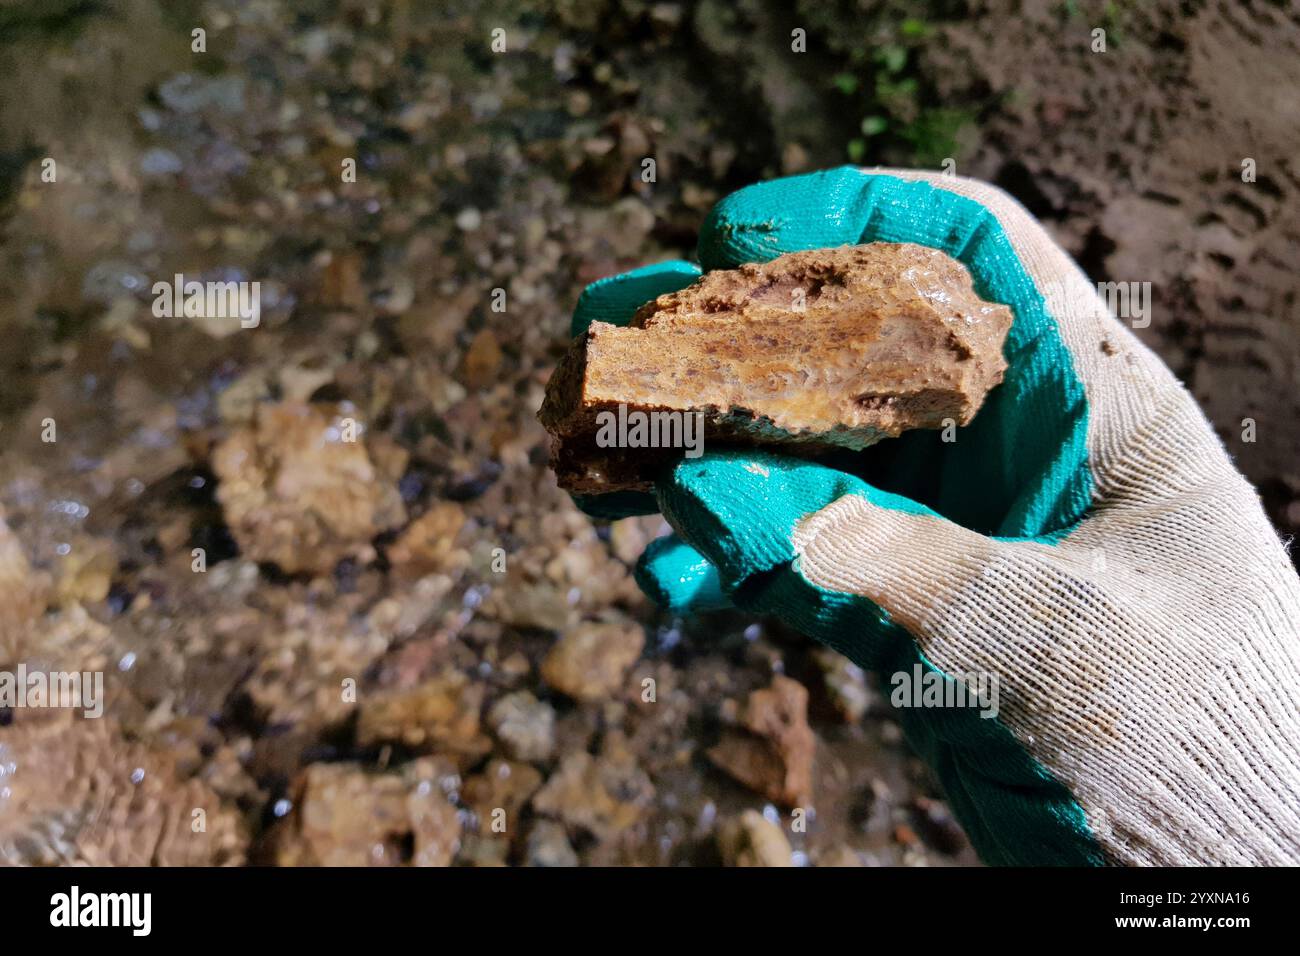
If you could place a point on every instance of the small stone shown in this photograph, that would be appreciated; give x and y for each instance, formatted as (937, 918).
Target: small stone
(521, 604)
(753, 840)
(77, 792)
(440, 714)
(300, 490)
(772, 751)
(590, 662)
(502, 786)
(476, 850)
(85, 572)
(428, 545)
(905, 835)
(629, 536)
(548, 845)
(524, 725)
(482, 360)
(343, 816)
(845, 683)
(599, 795)
(24, 594)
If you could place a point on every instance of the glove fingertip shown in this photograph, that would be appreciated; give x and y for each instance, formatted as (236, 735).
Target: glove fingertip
(678, 578)
(810, 211)
(615, 299)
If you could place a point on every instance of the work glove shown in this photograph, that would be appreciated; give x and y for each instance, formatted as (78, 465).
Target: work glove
(1082, 561)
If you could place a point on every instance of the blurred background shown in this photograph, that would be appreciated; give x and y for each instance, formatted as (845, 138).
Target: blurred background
(411, 647)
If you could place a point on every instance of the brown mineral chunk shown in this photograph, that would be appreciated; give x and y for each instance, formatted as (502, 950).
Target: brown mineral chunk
(428, 545)
(300, 489)
(441, 714)
(524, 725)
(753, 840)
(22, 594)
(846, 684)
(502, 786)
(343, 816)
(772, 751)
(78, 791)
(813, 350)
(590, 661)
(548, 845)
(601, 795)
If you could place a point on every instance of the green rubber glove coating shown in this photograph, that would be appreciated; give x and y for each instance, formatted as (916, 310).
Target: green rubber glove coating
(679, 578)
(615, 299)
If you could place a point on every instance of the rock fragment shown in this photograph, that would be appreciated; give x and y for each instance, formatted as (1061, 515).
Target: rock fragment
(524, 725)
(441, 714)
(753, 840)
(503, 785)
(846, 684)
(601, 796)
(813, 350)
(23, 595)
(300, 489)
(77, 791)
(590, 661)
(548, 845)
(428, 544)
(343, 816)
(771, 752)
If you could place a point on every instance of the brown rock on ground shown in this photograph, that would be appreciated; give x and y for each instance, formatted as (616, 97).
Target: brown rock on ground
(503, 785)
(772, 751)
(846, 684)
(590, 662)
(601, 795)
(825, 348)
(753, 840)
(77, 791)
(428, 544)
(443, 714)
(297, 494)
(524, 725)
(22, 594)
(343, 816)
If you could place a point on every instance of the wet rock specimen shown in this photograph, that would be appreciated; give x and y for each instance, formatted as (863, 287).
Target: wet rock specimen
(811, 351)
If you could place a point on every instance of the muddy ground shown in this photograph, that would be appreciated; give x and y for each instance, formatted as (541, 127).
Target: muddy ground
(344, 614)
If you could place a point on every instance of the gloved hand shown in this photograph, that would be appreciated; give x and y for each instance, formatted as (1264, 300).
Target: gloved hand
(1085, 542)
